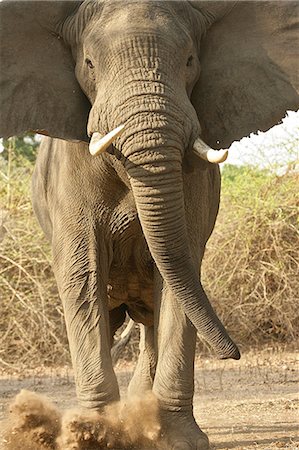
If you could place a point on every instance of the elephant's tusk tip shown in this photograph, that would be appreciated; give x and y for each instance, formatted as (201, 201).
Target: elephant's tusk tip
(217, 156)
(202, 150)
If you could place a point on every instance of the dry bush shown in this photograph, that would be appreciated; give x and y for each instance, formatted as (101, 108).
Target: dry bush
(31, 322)
(250, 269)
(251, 263)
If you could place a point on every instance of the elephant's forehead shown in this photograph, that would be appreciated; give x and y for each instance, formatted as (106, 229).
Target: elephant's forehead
(152, 14)
(121, 20)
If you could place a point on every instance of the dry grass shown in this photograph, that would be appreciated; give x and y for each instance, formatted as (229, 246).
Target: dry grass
(252, 262)
(250, 269)
(31, 321)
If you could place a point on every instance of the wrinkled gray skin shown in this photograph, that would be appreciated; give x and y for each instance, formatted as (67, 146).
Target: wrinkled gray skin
(92, 219)
(128, 228)
(111, 219)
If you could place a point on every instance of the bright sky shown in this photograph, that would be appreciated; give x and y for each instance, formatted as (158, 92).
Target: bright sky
(277, 146)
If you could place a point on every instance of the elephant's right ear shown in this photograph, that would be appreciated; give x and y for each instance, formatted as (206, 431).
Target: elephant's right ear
(38, 88)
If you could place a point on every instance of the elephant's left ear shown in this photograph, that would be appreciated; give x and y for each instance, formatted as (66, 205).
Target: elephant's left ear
(38, 88)
(249, 67)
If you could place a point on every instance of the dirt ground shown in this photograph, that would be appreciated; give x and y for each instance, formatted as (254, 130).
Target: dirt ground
(247, 404)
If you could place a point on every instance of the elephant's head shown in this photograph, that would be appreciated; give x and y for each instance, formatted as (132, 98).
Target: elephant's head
(169, 72)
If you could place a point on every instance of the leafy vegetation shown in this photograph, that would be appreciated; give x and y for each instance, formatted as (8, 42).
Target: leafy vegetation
(23, 148)
(250, 268)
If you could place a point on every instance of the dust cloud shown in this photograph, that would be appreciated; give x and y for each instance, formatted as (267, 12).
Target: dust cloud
(34, 423)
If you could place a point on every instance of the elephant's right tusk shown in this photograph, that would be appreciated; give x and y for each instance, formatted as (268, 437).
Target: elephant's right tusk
(202, 150)
(100, 143)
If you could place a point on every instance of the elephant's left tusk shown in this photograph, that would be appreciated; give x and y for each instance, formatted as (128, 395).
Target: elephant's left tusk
(100, 143)
(202, 150)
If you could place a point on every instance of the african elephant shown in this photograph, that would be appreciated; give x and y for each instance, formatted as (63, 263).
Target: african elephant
(128, 228)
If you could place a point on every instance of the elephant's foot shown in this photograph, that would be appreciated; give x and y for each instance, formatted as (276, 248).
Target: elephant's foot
(181, 432)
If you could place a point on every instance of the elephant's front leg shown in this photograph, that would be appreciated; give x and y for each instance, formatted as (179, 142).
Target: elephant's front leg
(174, 379)
(81, 266)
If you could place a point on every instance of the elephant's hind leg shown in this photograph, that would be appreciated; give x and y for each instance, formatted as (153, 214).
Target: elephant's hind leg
(144, 373)
(81, 264)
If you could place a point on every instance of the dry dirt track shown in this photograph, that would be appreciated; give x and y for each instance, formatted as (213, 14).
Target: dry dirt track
(248, 404)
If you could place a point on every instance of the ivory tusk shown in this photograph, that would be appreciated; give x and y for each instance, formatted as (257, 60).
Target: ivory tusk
(100, 143)
(205, 152)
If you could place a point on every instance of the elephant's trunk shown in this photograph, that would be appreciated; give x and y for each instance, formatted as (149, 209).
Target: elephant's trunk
(155, 172)
(159, 123)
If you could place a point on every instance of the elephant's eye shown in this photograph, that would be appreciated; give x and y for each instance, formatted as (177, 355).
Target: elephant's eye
(189, 61)
(89, 63)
